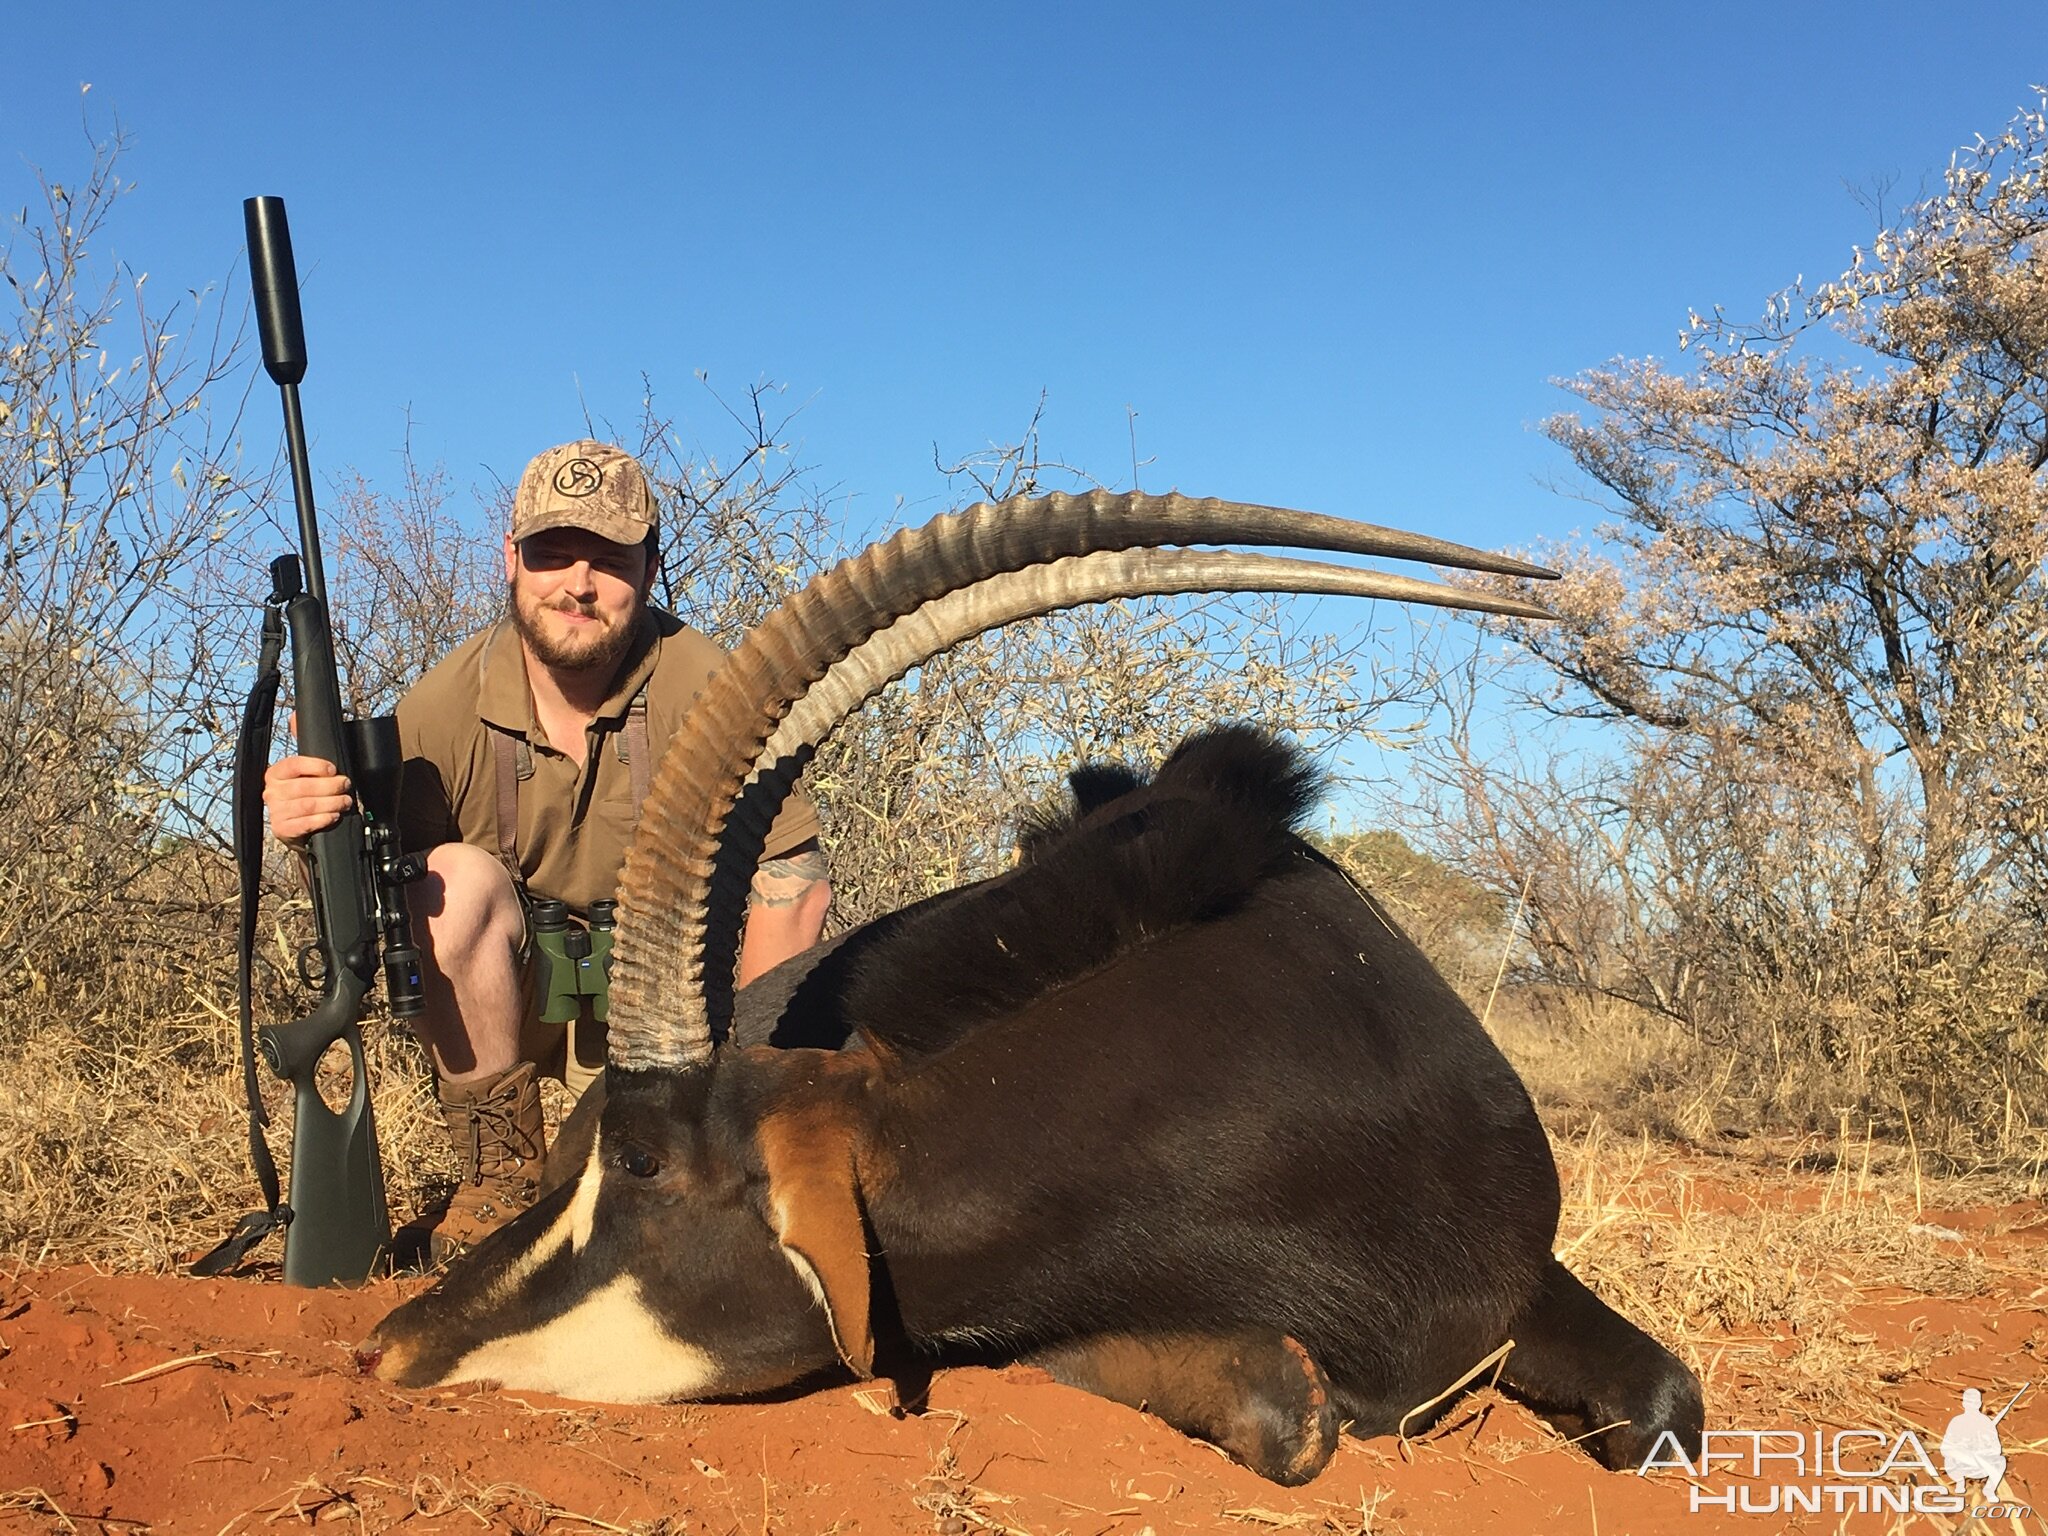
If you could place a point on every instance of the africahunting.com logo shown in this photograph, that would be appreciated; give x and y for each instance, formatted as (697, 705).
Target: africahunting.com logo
(1848, 1471)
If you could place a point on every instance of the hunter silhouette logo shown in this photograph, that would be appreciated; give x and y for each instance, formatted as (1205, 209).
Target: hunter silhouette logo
(1970, 1451)
(579, 478)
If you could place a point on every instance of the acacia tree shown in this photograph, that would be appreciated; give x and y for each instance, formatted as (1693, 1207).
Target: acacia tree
(1825, 582)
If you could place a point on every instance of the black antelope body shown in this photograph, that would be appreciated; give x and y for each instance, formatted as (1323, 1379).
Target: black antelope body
(1171, 1108)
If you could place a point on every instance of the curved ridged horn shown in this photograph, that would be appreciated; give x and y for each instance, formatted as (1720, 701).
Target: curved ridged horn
(658, 1013)
(1073, 582)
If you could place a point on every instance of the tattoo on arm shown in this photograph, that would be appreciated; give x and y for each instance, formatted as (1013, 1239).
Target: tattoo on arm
(782, 882)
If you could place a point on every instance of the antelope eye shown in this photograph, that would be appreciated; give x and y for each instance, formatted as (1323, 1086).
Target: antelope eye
(639, 1162)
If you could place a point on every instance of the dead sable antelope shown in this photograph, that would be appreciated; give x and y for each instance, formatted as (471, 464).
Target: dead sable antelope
(1171, 1108)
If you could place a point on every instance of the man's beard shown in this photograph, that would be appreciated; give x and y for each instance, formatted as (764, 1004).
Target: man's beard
(598, 649)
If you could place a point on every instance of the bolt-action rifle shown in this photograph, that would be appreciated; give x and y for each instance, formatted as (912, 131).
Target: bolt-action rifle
(336, 1226)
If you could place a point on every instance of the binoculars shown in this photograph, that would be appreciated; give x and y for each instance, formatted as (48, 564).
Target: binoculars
(578, 960)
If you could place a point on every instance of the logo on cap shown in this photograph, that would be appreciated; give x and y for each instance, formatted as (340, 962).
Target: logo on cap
(578, 478)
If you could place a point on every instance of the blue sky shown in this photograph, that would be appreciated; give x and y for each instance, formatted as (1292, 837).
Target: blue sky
(1331, 255)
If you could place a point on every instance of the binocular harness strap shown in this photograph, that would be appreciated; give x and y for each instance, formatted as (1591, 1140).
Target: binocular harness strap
(513, 758)
(633, 747)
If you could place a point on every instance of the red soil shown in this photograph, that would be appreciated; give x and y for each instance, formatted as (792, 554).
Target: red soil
(131, 1402)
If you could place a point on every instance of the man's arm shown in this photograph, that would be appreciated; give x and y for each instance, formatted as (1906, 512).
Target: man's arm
(785, 909)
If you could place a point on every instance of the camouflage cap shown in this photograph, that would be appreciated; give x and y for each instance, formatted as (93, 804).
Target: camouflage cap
(584, 484)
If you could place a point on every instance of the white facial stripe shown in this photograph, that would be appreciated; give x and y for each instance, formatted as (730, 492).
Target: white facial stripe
(582, 1212)
(608, 1348)
(571, 1228)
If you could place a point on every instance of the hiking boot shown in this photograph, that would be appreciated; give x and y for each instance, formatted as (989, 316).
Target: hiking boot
(494, 1125)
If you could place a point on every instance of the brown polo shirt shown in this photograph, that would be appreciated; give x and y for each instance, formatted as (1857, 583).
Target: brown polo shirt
(575, 819)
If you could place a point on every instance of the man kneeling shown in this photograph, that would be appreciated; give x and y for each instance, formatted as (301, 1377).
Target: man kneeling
(528, 750)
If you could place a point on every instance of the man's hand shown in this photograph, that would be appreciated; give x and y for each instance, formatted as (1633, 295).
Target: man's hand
(303, 795)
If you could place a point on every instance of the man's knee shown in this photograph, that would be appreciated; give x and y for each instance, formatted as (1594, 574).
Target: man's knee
(466, 901)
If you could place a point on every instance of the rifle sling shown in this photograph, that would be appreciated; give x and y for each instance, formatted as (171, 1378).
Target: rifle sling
(252, 756)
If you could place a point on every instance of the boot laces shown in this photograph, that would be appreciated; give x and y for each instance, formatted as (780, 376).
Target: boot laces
(512, 1145)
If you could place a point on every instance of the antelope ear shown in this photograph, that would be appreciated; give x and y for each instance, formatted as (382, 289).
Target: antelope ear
(814, 1204)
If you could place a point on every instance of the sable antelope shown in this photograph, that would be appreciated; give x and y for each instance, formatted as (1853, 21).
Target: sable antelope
(1171, 1108)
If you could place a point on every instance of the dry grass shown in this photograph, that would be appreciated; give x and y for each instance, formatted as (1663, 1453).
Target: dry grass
(126, 1130)
(957, 1505)
(1591, 1060)
(375, 1503)
(1755, 1274)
